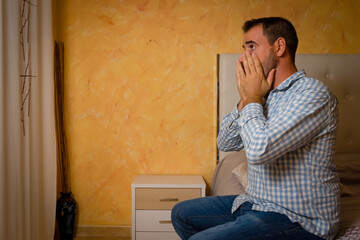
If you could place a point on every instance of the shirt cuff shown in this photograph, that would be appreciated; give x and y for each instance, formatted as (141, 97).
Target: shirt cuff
(232, 117)
(250, 111)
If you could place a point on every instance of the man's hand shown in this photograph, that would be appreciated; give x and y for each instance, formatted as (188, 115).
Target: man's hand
(251, 82)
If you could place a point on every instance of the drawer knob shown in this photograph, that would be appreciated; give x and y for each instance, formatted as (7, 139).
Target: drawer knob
(165, 222)
(169, 200)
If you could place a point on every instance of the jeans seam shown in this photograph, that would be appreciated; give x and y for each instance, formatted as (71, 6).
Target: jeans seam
(205, 216)
(285, 232)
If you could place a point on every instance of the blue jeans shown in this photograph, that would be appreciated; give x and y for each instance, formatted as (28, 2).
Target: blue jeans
(211, 218)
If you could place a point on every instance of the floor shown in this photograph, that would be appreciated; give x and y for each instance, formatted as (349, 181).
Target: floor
(101, 238)
(57, 237)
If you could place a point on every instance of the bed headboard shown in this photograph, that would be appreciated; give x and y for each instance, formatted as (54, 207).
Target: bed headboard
(340, 72)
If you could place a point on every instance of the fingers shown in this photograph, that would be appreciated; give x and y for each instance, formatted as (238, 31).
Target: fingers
(246, 63)
(251, 64)
(251, 82)
(239, 70)
(239, 75)
(258, 67)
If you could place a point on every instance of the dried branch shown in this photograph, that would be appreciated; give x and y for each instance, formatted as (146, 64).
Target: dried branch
(26, 77)
(62, 151)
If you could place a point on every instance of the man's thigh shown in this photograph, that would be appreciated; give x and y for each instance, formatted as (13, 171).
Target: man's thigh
(206, 212)
(254, 225)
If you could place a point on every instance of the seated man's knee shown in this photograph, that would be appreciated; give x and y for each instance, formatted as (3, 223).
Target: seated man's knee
(176, 211)
(182, 209)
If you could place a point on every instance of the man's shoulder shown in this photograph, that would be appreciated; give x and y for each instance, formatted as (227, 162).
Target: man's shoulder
(312, 85)
(307, 80)
(299, 80)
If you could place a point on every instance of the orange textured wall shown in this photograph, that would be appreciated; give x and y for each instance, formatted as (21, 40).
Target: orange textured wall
(141, 84)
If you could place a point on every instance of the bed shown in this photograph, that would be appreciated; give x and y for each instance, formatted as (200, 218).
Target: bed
(341, 73)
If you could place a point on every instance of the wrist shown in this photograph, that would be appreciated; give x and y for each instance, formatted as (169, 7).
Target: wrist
(240, 105)
(249, 100)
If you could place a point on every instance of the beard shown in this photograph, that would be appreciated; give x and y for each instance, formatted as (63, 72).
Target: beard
(269, 63)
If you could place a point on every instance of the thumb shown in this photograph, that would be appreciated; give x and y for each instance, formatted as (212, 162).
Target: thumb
(271, 77)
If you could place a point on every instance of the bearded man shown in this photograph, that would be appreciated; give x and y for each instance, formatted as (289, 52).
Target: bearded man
(286, 122)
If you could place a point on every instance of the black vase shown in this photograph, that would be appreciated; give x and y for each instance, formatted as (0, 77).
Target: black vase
(65, 214)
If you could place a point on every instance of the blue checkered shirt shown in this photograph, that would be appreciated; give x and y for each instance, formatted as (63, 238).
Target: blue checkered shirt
(290, 145)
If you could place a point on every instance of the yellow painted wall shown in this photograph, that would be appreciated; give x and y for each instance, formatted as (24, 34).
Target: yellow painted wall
(141, 84)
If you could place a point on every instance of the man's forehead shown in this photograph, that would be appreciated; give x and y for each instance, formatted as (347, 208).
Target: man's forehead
(254, 31)
(254, 35)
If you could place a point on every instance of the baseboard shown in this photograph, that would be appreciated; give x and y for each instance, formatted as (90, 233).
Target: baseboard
(103, 231)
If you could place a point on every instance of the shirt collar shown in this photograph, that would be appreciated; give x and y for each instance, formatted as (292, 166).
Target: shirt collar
(290, 80)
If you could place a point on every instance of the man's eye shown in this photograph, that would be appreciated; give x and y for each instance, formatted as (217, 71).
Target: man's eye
(252, 47)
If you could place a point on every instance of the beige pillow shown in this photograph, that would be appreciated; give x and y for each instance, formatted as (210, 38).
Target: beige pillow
(240, 173)
(224, 182)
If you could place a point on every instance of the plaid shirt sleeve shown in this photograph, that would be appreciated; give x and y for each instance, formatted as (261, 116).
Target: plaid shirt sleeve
(229, 136)
(295, 124)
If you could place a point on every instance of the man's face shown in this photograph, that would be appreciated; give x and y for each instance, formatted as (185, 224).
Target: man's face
(255, 42)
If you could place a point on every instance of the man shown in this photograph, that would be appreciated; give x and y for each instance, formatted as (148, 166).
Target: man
(287, 124)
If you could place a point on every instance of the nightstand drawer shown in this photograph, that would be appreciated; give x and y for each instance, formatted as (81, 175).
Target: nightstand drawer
(163, 198)
(154, 221)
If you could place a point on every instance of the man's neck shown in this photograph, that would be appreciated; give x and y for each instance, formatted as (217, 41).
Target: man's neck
(283, 72)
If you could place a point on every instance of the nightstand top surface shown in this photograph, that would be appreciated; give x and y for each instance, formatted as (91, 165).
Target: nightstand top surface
(169, 181)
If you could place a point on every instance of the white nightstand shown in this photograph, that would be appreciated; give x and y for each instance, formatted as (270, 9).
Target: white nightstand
(153, 197)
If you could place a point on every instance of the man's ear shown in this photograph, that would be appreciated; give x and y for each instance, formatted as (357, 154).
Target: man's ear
(280, 46)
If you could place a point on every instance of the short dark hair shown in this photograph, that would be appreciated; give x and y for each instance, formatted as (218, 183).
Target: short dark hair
(275, 27)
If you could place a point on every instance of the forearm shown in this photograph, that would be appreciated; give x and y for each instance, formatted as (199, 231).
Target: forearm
(229, 138)
(266, 140)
